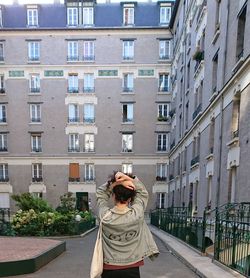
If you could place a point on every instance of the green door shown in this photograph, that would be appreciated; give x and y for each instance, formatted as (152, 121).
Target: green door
(82, 201)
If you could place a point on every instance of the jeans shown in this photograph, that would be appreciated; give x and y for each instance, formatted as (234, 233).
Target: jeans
(133, 272)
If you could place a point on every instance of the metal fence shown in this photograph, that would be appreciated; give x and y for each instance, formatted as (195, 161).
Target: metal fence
(4, 220)
(232, 237)
(227, 227)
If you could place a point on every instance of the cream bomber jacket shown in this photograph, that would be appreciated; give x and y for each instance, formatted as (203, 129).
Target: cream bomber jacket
(126, 237)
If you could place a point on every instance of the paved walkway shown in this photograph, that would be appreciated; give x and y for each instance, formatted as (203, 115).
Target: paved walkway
(202, 265)
(75, 262)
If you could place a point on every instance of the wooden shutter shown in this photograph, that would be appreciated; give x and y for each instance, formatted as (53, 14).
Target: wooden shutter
(74, 170)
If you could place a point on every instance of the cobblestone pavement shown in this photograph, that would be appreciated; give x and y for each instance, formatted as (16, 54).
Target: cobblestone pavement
(75, 263)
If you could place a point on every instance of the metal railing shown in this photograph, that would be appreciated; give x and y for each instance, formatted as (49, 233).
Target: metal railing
(73, 149)
(72, 58)
(35, 90)
(73, 119)
(127, 89)
(4, 220)
(88, 89)
(3, 149)
(37, 179)
(88, 58)
(73, 90)
(2, 90)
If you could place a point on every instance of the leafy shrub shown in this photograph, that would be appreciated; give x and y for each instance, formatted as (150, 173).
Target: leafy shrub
(26, 201)
(67, 203)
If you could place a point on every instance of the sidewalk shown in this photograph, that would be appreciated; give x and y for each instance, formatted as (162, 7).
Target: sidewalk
(201, 265)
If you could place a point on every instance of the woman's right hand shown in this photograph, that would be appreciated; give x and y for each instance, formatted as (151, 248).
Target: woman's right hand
(119, 177)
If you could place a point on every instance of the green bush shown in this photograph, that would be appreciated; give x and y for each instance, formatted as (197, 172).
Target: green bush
(37, 218)
(26, 202)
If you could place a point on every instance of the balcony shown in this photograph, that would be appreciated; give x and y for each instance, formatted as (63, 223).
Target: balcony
(89, 120)
(88, 89)
(197, 111)
(127, 89)
(3, 149)
(37, 179)
(72, 58)
(89, 150)
(172, 145)
(73, 119)
(195, 160)
(73, 149)
(36, 149)
(126, 150)
(73, 90)
(36, 120)
(2, 91)
(163, 89)
(88, 58)
(89, 179)
(35, 90)
(4, 179)
(163, 119)
(74, 179)
(34, 59)
(128, 58)
(164, 57)
(235, 134)
(161, 178)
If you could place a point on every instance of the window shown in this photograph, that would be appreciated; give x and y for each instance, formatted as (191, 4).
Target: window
(35, 83)
(163, 112)
(4, 175)
(235, 118)
(217, 15)
(127, 112)
(162, 142)
(211, 136)
(215, 73)
(164, 49)
(89, 143)
(73, 113)
(89, 113)
(72, 16)
(3, 142)
(241, 33)
(165, 15)
(127, 142)
(161, 198)
(2, 89)
(128, 15)
(3, 113)
(128, 50)
(127, 168)
(88, 83)
(74, 172)
(35, 113)
(88, 51)
(209, 192)
(37, 174)
(73, 83)
(1, 52)
(36, 142)
(161, 171)
(232, 185)
(128, 82)
(74, 142)
(89, 172)
(1, 17)
(73, 51)
(32, 17)
(34, 51)
(88, 16)
(163, 82)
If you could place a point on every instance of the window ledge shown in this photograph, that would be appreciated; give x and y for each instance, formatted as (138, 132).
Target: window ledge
(216, 35)
(127, 93)
(35, 123)
(5, 152)
(127, 152)
(210, 157)
(195, 166)
(34, 62)
(128, 61)
(238, 64)
(213, 96)
(127, 123)
(233, 143)
(3, 124)
(34, 94)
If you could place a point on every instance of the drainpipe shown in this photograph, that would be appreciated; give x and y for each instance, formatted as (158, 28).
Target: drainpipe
(221, 109)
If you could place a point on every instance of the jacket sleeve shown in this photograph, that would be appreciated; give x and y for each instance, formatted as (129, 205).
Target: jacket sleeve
(103, 194)
(141, 198)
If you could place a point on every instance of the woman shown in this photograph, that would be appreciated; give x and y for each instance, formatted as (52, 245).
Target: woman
(126, 237)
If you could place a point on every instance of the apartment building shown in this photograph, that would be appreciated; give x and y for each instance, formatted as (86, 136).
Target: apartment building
(85, 90)
(209, 141)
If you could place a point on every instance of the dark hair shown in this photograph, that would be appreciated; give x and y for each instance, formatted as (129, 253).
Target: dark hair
(122, 194)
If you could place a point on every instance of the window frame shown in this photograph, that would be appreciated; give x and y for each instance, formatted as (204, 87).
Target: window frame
(125, 148)
(89, 142)
(165, 14)
(74, 142)
(72, 19)
(36, 143)
(88, 16)
(35, 112)
(34, 51)
(130, 20)
(3, 113)
(75, 118)
(3, 142)
(128, 51)
(32, 17)
(160, 139)
(89, 172)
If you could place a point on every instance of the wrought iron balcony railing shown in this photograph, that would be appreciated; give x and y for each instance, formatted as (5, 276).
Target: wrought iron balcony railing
(36, 150)
(73, 90)
(88, 89)
(3, 149)
(37, 179)
(89, 120)
(73, 119)
(4, 179)
(35, 90)
(72, 58)
(3, 120)
(127, 89)
(73, 149)
(74, 179)
(35, 120)
(88, 58)
(2, 90)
